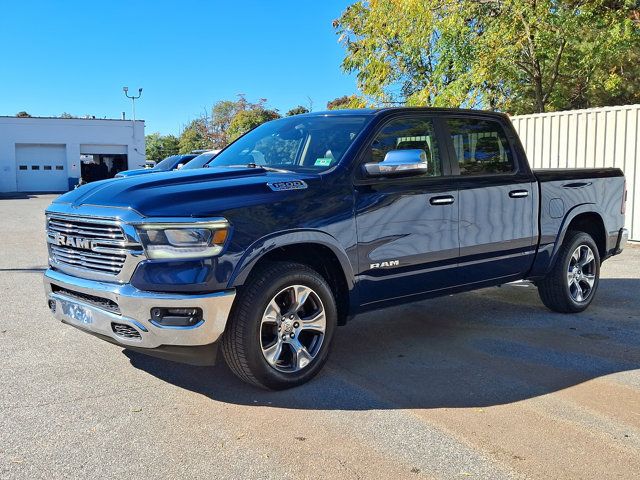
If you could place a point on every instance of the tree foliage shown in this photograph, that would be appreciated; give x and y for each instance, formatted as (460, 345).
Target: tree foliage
(229, 119)
(160, 146)
(195, 136)
(521, 56)
(248, 119)
(346, 101)
(222, 114)
(23, 114)
(299, 110)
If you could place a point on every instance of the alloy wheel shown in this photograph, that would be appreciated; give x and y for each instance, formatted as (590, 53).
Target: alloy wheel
(293, 328)
(581, 275)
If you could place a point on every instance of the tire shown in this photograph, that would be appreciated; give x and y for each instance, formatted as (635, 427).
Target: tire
(572, 283)
(266, 315)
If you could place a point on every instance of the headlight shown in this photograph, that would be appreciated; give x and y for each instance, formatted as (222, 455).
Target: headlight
(183, 240)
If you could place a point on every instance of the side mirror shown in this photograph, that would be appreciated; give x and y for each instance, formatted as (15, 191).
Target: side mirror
(399, 162)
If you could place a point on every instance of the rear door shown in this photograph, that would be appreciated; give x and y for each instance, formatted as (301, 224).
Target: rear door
(407, 227)
(496, 200)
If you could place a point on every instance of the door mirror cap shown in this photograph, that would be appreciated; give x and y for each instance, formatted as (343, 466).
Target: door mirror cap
(399, 162)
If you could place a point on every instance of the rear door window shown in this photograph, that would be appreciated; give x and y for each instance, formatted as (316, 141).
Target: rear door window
(481, 146)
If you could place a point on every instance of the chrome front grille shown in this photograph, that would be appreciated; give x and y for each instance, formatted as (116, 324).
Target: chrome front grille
(85, 229)
(103, 262)
(93, 245)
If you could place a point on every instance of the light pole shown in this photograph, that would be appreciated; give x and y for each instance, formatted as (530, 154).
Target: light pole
(133, 100)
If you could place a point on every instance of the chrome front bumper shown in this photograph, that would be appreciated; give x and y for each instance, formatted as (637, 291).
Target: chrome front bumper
(132, 308)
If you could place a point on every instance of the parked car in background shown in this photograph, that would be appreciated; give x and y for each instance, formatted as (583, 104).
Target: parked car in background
(201, 160)
(170, 163)
(306, 221)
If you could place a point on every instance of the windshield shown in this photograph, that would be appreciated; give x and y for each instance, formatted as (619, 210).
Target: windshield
(167, 163)
(299, 144)
(199, 161)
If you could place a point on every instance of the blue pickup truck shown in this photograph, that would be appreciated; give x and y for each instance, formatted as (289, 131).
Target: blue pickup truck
(306, 221)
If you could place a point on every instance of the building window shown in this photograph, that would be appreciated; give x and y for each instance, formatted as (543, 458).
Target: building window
(59, 167)
(47, 167)
(35, 167)
(22, 167)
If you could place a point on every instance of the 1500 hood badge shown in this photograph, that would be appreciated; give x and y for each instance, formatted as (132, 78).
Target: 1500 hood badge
(284, 186)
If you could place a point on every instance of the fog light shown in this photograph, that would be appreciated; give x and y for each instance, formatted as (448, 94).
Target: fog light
(176, 317)
(52, 306)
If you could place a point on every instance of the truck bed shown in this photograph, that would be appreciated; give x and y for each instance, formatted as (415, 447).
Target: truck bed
(592, 196)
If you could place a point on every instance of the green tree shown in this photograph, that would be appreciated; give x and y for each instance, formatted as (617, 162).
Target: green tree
(246, 120)
(159, 146)
(195, 136)
(522, 56)
(221, 115)
(345, 102)
(23, 114)
(297, 111)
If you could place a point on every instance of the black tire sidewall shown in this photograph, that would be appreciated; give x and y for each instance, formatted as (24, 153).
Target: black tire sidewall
(577, 240)
(260, 368)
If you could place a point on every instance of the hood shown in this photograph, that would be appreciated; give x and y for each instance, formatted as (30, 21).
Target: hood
(137, 171)
(198, 193)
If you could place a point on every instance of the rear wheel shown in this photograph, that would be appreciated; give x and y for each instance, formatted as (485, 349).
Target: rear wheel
(281, 327)
(572, 283)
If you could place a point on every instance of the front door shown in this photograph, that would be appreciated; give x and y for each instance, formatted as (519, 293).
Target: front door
(407, 227)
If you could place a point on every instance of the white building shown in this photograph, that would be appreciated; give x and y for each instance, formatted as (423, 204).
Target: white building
(51, 154)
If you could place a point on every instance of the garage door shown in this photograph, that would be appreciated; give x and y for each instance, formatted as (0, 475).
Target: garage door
(41, 168)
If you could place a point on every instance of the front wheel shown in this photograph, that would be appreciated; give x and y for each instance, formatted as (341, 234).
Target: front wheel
(572, 283)
(281, 327)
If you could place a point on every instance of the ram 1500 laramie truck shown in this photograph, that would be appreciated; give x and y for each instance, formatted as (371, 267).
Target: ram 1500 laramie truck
(308, 220)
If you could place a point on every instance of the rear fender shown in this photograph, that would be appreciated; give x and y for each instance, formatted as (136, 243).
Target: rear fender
(548, 254)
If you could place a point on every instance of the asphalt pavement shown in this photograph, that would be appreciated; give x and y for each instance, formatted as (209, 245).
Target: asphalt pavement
(487, 384)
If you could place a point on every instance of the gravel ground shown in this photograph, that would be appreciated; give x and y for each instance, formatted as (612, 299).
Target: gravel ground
(487, 384)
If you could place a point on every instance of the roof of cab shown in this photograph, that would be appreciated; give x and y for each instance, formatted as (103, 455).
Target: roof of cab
(376, 111)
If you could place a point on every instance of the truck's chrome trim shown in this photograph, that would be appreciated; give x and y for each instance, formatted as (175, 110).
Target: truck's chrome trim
(126, 250)
(135, 310)
(168, 222)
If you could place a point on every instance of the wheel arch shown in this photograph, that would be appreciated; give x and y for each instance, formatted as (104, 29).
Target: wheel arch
(318, 250)
(583, 218)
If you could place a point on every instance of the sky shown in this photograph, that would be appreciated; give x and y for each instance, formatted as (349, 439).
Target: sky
(75, 56)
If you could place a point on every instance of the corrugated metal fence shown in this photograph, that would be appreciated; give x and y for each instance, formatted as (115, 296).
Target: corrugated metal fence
(596, 137)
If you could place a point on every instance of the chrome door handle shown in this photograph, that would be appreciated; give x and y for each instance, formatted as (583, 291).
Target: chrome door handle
(444, 200)
(518, 193)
